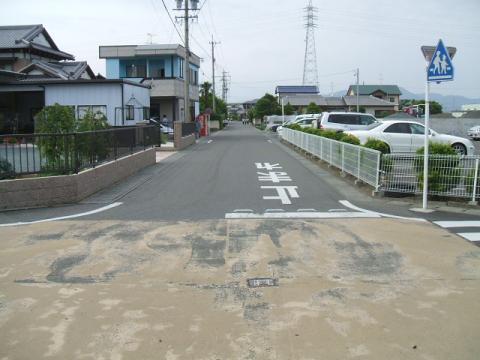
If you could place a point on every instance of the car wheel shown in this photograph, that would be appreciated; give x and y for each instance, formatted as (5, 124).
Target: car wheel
(460, 149)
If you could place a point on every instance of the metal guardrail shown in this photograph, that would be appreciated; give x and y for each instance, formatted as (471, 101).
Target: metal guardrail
(71, 152)
(358, 161)
(449, 175)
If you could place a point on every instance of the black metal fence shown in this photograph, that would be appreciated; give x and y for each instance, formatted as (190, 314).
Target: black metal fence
(71, 152)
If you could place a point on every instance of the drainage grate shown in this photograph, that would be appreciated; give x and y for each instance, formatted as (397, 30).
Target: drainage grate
(262, 282)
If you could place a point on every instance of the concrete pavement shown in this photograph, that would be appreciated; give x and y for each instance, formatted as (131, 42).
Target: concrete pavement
(166, 275)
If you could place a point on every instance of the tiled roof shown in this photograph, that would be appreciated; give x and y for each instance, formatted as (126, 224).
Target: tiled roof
(370, 89)
(23, 36)
(69, 70)
(296, 89)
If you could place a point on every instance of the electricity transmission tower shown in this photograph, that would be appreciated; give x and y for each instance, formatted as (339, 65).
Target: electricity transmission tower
(225, 85)
(310, 72)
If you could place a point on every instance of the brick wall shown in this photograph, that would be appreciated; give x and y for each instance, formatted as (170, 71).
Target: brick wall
(65, 189)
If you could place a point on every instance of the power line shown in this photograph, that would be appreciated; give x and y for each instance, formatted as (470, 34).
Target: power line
(173, 22)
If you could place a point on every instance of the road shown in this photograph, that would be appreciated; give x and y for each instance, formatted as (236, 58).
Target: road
(164, 272)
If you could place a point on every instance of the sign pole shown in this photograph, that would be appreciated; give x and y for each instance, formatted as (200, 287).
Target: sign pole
(426, 144)
(439, 68)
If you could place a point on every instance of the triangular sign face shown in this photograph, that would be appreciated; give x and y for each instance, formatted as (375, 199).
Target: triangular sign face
(441, 67)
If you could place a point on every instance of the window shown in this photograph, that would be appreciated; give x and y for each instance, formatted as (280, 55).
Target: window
(398, 128)
(136, 69)
(367, 120)
(181, 68)
(417, 129)
(146, 113)
(99, 111)
(130, 112)
(344, 119)
(157, 69)
(392, 99)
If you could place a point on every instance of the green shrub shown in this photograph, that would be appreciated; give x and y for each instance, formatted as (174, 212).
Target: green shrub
(332, 134)
(378, 145)
(350, 139)
(437, 149)
(294, 127)
(442, 175)
(6, 170)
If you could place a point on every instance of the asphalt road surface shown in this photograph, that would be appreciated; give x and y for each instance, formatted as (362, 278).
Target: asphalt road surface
(238, 248)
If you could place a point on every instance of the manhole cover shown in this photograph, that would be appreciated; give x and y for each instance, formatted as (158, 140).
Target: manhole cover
(261, 282)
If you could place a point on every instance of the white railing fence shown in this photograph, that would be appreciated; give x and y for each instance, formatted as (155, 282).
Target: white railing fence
(358, 161)
(449, 175)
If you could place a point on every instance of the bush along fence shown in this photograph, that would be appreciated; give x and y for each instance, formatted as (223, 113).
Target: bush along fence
(450, 175)
(358, 161)
(67, 153)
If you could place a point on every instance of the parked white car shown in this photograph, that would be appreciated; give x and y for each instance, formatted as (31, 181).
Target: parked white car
(344, 121)
(305, 121)
(408, 136)
(474, 132)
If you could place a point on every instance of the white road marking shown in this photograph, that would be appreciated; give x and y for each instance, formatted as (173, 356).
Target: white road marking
(470, 236)
(306, 210)
(274, 210)
(349, 205)
(274, 176)
(209, 141)
(96, 211)
(284, 193)
(301, 215)
(454, 224)
(243, 210)
(270, 141)
(267, 166)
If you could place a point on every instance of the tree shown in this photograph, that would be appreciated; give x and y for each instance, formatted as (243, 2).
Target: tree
(313, 108)
(206, 102)
(93, 146)
(55, 119)
(288, 109)
(56, 149)
(267, 105)
(435, 106)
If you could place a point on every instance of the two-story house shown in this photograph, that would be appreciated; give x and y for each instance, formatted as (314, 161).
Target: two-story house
(35, 73)
(162, 67)
(390, 93)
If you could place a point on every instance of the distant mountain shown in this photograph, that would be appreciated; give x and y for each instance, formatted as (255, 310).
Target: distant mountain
(449, 102)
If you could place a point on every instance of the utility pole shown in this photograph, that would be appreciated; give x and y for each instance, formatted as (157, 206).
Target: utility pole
(357, 75)
(186, 66)
(213, 43)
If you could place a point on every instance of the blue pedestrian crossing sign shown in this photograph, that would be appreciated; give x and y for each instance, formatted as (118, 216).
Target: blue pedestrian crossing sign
(441, 66)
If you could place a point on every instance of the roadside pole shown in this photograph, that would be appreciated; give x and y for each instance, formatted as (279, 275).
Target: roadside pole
(439, 68)
(283, 112)
(426, 144)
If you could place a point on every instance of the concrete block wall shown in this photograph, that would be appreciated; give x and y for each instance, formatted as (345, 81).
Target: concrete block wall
(65, 189)
(179, 141)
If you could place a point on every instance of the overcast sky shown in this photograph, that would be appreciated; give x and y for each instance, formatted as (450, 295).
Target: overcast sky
(262, 41)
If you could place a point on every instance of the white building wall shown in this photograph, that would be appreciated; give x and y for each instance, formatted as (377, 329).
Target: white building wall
(86, 94)
(109, 95)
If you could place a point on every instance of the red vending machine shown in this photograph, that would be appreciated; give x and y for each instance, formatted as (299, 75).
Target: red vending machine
(203, 124)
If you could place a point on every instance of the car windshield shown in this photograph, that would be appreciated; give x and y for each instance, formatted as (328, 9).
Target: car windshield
(373, 126)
